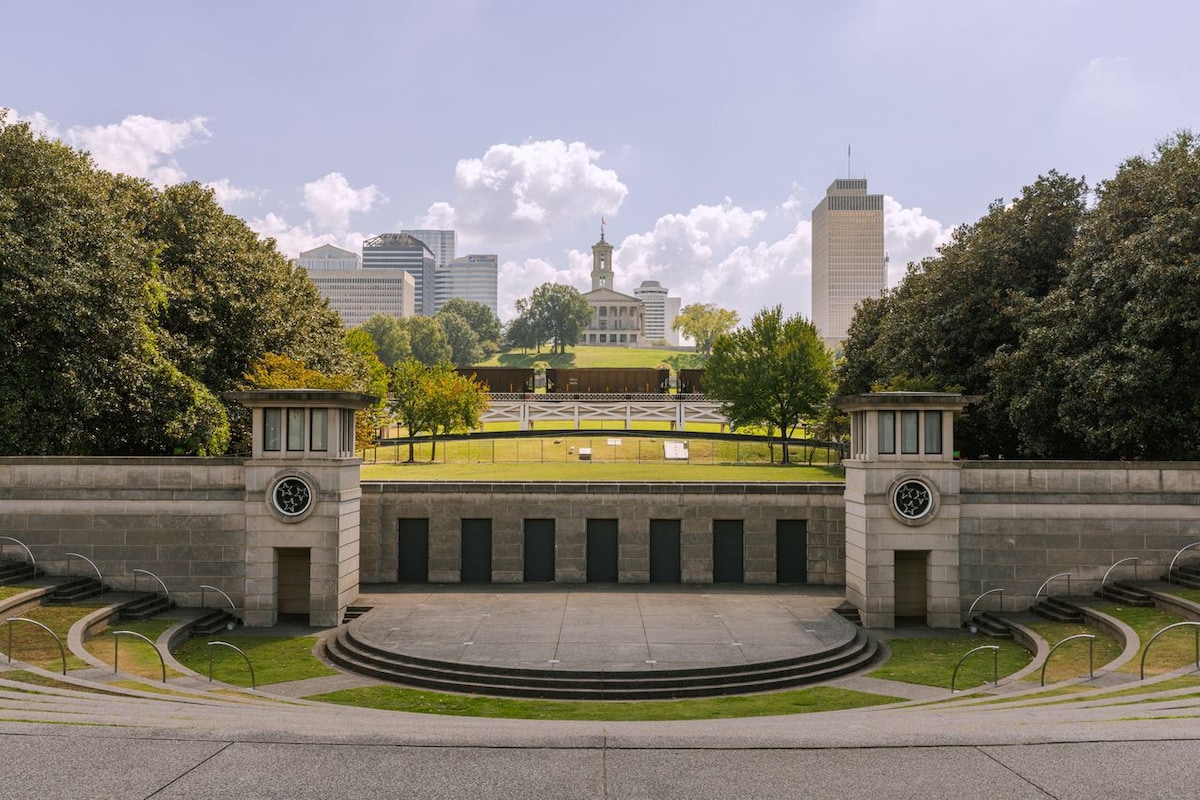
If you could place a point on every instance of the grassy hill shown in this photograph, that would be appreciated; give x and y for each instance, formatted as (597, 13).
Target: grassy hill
(585, 356)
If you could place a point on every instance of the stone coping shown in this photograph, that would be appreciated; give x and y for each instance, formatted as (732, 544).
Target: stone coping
(121, 461)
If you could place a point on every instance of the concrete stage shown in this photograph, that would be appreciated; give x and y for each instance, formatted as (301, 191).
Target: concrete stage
(603, 627)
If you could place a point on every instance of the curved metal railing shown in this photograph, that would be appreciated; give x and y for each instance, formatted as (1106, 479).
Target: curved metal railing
(1116, 564)
(253, 683)
(1176, 558)
(1091, 637)
(1187, 623)
(116, 642)
(971, 610)
(1038, 594)
(995, 664)
(62, 650)
(93, 563)
(228, 599)
(136, 572)
(20, 544)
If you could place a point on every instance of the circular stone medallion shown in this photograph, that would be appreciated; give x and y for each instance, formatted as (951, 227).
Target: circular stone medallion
(913, 500)
(292, 497)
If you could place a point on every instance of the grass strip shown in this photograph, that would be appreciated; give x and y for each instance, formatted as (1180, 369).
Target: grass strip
(931, 661)
(797, 701)
(276, 659)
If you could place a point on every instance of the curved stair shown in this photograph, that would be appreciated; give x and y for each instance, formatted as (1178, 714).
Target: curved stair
(350, 652)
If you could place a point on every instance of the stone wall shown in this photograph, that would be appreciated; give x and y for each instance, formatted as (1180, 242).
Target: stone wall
(1024, 521)
(184, 519)
(571, 504)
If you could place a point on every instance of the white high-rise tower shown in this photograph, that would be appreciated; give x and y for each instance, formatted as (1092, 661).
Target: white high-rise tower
(848, 261)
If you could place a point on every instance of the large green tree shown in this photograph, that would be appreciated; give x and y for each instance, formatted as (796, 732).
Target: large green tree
(86, 367)
(943, 324)
(434, 399)
(1108, 367)
(391, 338)
(464, 342)
(555, 313)
(774, 373)
(703, 323)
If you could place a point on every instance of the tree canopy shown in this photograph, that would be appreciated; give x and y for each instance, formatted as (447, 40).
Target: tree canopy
(126, 310)
(1077, 324)
(774, 373)
(481, 319)
(434, 399)
(555, 313)
(703, 323)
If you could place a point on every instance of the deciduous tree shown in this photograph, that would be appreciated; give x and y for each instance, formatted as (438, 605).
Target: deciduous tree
(774, 373)
(703, 323)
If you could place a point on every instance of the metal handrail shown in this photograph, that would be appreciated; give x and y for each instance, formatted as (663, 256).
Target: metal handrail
(995, 664)
(152, 575)
(985, 594)
(1176, 558)
(1091, 637)
(62, 650)
(253, 683)
(1134, 559)
(1067, 575)
(93, 563)
(204, 586)
(116, 641)
(1187, 623)
(20, 544)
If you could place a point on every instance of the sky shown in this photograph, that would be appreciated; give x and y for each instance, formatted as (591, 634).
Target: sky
(702, 133)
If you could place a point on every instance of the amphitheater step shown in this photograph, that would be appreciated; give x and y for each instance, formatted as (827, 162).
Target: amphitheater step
(1185, 576)
(349, 652)
(1127, 594)
(354, 612)
(849, 612)
(75, 590)
(1058, 610)
(144, 606)
(212, 623)
(990, 625)
(17, 571)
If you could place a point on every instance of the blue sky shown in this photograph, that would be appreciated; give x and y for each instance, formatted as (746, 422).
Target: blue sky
(703, 131)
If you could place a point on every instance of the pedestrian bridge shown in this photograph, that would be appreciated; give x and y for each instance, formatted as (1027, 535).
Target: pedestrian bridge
(559, 410)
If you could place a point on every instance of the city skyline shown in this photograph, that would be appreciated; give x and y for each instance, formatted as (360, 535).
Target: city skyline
(703, 133)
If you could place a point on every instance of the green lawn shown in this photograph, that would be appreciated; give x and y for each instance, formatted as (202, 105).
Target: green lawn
(133, 655)
(33, 645)
(797, 701)
(931, 661)
(1172, 650)
(1072, 659)
(276, 659)
(577, 471)
(587, 356)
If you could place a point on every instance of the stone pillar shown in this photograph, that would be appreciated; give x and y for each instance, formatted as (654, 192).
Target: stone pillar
(302, 494)
(902, 497)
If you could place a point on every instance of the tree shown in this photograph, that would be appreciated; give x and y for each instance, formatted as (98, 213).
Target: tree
(943, 324)
(87, 369)
(429, 343)
(480, 317)
(703, 323)
(464, 342)
(435, 399)
(775, 373)
(1107, 368)
(408, 401)
(521, 332)
(390, 335)
(556, 313)
(456, 403)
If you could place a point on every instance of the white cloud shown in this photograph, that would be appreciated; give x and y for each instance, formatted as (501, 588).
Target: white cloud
(440, 216)
(332, 199)
(909, 235)
(140, 146)
(227, 194)
(518, 279)
(292, 240)
(38, 122)
(524, 193)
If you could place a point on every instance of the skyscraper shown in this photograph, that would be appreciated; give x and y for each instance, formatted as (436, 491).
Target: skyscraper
(406, 252)
(848, 261)
(473, 277)
(660, 312)
(356, 293)
(440, 243)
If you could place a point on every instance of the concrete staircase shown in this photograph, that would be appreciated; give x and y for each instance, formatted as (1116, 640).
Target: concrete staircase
(350, 652)
(1056, 609)
(16, 572)
(75, 590)
(1188, 576)
(1126, 594)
